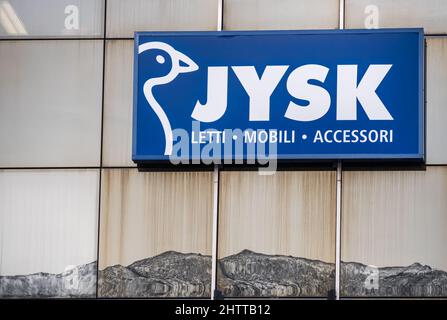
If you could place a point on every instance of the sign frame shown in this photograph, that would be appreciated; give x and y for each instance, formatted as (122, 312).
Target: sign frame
(420, 156)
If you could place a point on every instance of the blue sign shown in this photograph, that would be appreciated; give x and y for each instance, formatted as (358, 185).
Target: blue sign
(338, 94)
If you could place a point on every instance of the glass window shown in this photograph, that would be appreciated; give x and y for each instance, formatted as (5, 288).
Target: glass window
(117, 148)
(50, 98)
(393, 233)
(126, 17)
(155, 238)
(276, 234)
(51, 18)
(48, 233)
(280, 14)
(436, 100)
(429, 14)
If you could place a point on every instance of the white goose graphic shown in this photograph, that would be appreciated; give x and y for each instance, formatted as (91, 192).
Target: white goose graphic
(177, 58)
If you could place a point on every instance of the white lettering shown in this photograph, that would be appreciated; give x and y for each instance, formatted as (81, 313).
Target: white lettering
(298, 86)
(348, 92)
(216, 104)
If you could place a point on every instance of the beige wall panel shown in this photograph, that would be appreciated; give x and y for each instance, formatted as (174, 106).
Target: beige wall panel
(280, 14)
(394, 233)
(429, 14)
(48, 220)
(51, 18)
(155, 237)
(147, 213)
(124, 17)
(117, 147)
(436, 100)
(276, 234)
(288, 213)
(50, 103)
(48, 233)
(395, 218)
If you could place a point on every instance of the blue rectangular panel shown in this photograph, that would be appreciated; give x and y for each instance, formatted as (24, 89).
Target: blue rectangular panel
(337, 94)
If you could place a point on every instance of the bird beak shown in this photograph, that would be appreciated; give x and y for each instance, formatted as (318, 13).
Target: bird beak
(188, 64)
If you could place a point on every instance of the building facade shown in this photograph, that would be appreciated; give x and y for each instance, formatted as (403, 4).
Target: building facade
(78, 219)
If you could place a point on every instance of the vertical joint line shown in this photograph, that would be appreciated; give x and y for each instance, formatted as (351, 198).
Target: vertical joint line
(220, 15)
(215, 188)
(98, 235)
(341, 26)
(338, 230)
(341, 19)
(215, 230)
(338, 190)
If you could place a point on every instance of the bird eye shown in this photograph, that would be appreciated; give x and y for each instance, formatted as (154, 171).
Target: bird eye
(160, 59)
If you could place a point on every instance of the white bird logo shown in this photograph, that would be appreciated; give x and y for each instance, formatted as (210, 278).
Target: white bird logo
(177, 58)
